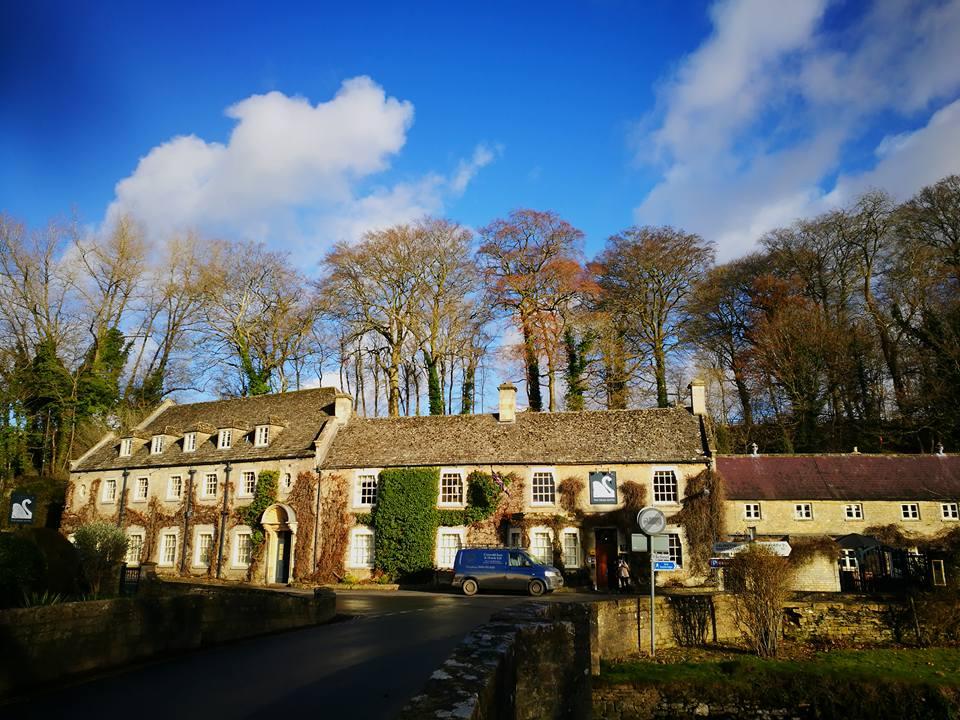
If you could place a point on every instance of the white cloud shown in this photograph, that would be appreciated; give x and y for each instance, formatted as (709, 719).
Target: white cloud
(753, 125)
(291, 173)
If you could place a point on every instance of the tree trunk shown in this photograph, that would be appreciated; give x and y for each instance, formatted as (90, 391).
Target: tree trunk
(660, 370)
(616, 375)
(469, 385)
(434, 388)
(393, 377)
(532, 364)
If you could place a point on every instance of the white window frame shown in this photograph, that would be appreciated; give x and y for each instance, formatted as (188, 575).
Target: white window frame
(235, 560)
(950, 511)
(359, 477)
(225, 439)
(676, 550)
(206, 479)
(156, 445)
(676, 485)
(853, 512)
(848, 560)
(803, 512)
(287, 481)
(112, 497)
(242, 490)
(261, 436)
(463, 489)
(553, 476)
(458, 532)
(197, 535)
(564, 534)
(170, 495)
(137, 497)
(162, 545)
(910, 512)
(126, 447)
(351, 550)
(141, 535)
(534, 533)
(190, 442)
(752, 511)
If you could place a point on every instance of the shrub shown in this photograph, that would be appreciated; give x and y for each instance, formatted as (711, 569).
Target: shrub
(101, 547)
(760, 583)
(406, 520)
(690, 616)
(64, 575)
(21, 568)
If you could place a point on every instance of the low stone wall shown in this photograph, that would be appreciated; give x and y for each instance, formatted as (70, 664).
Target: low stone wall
(44, 644)
(530, 661)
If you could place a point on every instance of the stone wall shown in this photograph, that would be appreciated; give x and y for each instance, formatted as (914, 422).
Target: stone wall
(530, 661)
(44, 644)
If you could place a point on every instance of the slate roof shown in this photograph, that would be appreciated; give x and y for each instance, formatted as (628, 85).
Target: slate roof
(841, 477)
(606, 436)
(304, 412)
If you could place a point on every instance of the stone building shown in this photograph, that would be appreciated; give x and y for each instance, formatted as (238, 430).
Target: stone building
(797, 496)
(178, 482)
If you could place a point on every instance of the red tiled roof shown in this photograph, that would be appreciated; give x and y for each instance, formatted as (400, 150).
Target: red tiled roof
(841, 477)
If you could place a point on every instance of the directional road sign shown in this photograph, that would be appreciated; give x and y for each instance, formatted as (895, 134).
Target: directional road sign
(664, 565)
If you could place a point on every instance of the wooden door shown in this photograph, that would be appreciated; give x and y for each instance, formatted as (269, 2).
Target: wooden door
(606, 541)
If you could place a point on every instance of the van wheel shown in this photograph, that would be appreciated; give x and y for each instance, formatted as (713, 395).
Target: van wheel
(470, 586)
(537, 587)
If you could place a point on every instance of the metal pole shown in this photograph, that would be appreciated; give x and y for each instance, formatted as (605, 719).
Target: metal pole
(653, 585)
(123, 499)
(316, 523)
(223, 514)
(187, 511)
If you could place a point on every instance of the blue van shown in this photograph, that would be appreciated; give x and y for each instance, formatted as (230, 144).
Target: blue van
(503, 569)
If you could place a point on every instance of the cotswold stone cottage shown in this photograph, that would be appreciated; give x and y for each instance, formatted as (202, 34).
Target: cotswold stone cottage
(180, 481)
(284, 487)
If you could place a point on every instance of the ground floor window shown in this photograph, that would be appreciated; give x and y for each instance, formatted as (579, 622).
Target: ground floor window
(447, 545)
(675, 548)
(361, 548)
(571, 548)
(848, 560)
(134, 548)
(244, 549)
(204, 549)
(516, 538)
(168, 549)
(541, 546)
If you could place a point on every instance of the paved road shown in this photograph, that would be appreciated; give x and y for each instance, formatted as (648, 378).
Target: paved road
(363, 667)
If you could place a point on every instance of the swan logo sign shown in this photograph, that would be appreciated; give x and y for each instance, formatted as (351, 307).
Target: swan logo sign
(21, 508)
(603, 488)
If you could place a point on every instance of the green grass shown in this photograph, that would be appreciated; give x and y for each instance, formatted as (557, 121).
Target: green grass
(936, 666)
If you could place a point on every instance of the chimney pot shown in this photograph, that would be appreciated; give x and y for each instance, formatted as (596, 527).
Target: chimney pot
(698, 397)
(342, 408)
(508, 403)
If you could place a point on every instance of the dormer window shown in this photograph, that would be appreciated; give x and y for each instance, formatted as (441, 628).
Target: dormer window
(225, 439)
(262, 436)
(126, 447)
(156, 447)
(190, 442)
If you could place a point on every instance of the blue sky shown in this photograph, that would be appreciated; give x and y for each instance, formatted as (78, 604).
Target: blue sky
(724, 118)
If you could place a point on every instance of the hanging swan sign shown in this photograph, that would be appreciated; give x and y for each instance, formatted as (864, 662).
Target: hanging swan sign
(21, 508)
(603, 488)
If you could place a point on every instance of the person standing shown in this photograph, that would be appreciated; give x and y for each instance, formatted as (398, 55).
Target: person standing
(623, 571)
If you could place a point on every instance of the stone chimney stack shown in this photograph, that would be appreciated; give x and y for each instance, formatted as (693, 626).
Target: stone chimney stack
(342, 408)
(508, 403)
(698, 397)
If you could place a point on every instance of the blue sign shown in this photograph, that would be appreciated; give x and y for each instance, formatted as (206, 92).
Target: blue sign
(665, 565)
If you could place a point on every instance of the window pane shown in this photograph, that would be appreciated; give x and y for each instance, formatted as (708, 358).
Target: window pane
(451, 489)
(543, 488)
(361, 550)
(541, 547)
(571, 549)
(448, 546)
(168, 550)
(134, 547)
(244, 549)
(675, 549)
(210, 486)
(664, 486)
(204, 548)
(368, 489)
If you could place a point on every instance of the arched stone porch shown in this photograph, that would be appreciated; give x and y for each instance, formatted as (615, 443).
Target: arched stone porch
(280, 529)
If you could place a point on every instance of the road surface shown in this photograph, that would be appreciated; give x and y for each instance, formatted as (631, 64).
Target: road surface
(366, 666)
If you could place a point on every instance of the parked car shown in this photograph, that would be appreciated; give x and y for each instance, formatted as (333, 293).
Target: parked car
(503, 569)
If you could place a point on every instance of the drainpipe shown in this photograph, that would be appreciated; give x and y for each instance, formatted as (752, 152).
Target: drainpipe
(123, 498)
(187, 512)
(316, 524)
(223, 514)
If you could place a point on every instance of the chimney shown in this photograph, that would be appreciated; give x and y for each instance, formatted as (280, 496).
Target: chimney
(698, 397)
(508, 403)
(342, 408)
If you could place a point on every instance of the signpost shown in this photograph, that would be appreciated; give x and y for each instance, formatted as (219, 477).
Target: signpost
(652, 522)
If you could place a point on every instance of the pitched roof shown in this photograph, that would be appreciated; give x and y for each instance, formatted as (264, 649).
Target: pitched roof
(841, 477)
(305, 413)
(606, 436)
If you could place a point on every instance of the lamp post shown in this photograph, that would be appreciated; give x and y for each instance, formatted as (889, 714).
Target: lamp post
(223, 514)
(123, 498)
(316, 523)
(187, 512)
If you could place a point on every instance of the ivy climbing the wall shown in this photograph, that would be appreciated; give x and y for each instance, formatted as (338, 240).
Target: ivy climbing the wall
(405, 520)
(264, 496)
(702, 517)
(483, 497)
